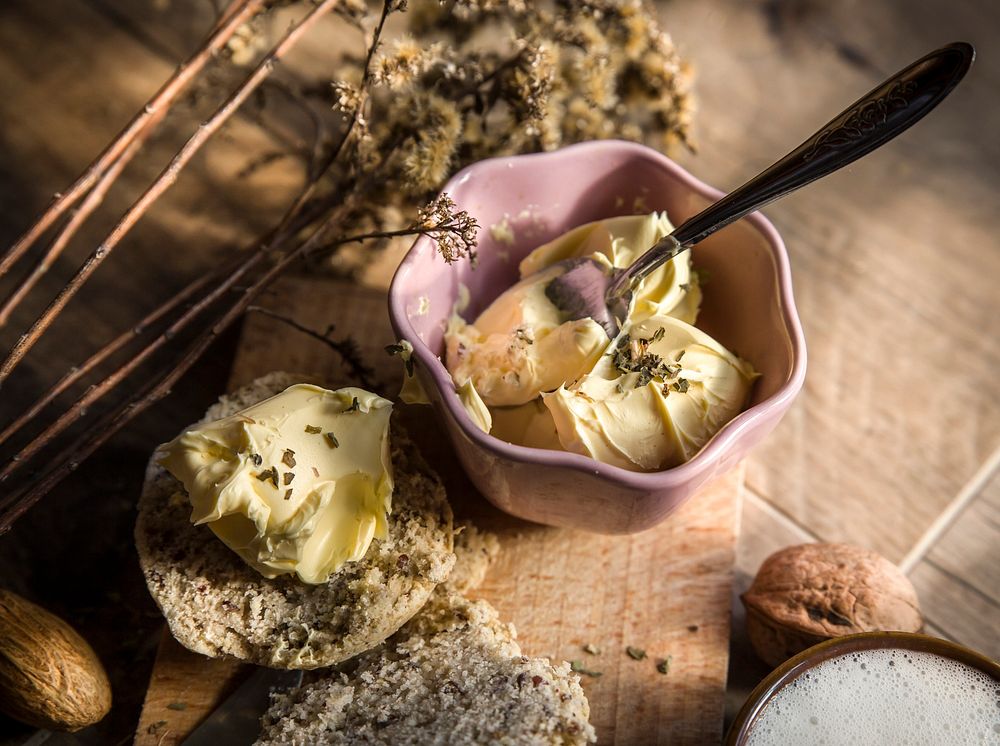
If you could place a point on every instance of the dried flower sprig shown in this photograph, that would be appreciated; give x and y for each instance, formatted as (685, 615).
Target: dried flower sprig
(400, 121)
(454, 231)
(436, 99)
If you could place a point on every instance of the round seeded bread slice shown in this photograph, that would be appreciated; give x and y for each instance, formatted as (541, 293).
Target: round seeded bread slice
(217, 605)
(453, 674)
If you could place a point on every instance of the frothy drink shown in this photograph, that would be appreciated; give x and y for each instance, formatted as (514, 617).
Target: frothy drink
(882, 697)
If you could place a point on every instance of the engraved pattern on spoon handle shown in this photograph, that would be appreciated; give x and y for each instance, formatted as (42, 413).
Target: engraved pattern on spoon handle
(868, 123)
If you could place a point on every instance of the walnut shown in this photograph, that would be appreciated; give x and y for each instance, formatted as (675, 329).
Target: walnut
(49, 676)
(808, 593)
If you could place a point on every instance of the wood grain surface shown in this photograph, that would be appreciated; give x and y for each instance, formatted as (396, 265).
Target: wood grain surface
(665, 591)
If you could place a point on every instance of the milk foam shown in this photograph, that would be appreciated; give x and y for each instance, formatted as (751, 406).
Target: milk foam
(882, 697)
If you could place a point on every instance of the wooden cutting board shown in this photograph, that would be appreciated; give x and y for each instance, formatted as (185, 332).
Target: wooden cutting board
(665, 591)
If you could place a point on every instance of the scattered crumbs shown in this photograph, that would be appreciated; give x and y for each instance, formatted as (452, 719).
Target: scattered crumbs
(355, 406)
(502, 254)
(502, 232)
(423, 305)
(288, 494)
(619, 201)
(154, 727)
(702, 275)
(578, 667)
(177, 706)
(692, 628)
(664, 665)
(636, 654)
(313, 429)
(315, 472)
(331, 440)
(591, 648)
(288, 458)
(639, 204)
(289, 476)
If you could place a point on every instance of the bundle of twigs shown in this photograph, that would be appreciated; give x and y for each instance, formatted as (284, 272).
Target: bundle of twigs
(450, 101)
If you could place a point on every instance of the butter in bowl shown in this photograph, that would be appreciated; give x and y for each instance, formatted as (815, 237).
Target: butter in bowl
(599, 452)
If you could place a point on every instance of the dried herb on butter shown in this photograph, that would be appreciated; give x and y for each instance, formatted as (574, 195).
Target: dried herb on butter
(269, 475)
(632, 355)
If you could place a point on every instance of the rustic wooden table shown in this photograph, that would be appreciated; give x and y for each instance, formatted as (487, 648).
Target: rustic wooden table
(894, 443)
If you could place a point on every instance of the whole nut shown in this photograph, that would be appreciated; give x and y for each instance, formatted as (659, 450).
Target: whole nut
(49, 676)
(806, 594)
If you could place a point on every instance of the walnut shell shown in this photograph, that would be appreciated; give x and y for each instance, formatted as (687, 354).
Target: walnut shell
(808, 593)
(49, 676)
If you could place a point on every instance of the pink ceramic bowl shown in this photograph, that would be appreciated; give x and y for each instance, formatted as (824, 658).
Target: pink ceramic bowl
(747, 306)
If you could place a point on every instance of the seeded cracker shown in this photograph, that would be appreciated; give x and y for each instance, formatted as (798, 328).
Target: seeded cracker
(217, 605)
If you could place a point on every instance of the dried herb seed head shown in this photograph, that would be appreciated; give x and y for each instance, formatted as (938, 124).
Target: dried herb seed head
(664, 665)
(331, 440)
(288, 494)
(289, 476)
(288, 458)
(313, 429)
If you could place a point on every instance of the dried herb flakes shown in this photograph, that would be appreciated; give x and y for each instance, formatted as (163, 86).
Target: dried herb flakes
(578, 667)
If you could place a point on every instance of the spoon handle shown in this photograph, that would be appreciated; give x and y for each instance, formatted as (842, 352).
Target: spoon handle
(865, 125)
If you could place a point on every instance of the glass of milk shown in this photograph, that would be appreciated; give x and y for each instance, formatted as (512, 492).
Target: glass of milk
(875, 688)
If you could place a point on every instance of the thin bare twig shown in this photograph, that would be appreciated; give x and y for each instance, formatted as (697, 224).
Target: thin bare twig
(285, 228)
(346, 348)
(78, 372)
(77, 218)
(235, 15)
(163, 182)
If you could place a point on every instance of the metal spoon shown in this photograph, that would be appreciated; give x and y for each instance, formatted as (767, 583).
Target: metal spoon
(585, 289)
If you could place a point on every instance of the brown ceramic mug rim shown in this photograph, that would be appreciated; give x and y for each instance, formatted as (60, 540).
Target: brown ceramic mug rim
(795, 666)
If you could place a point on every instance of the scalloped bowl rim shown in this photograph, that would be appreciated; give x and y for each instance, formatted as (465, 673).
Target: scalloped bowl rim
(717, 447)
